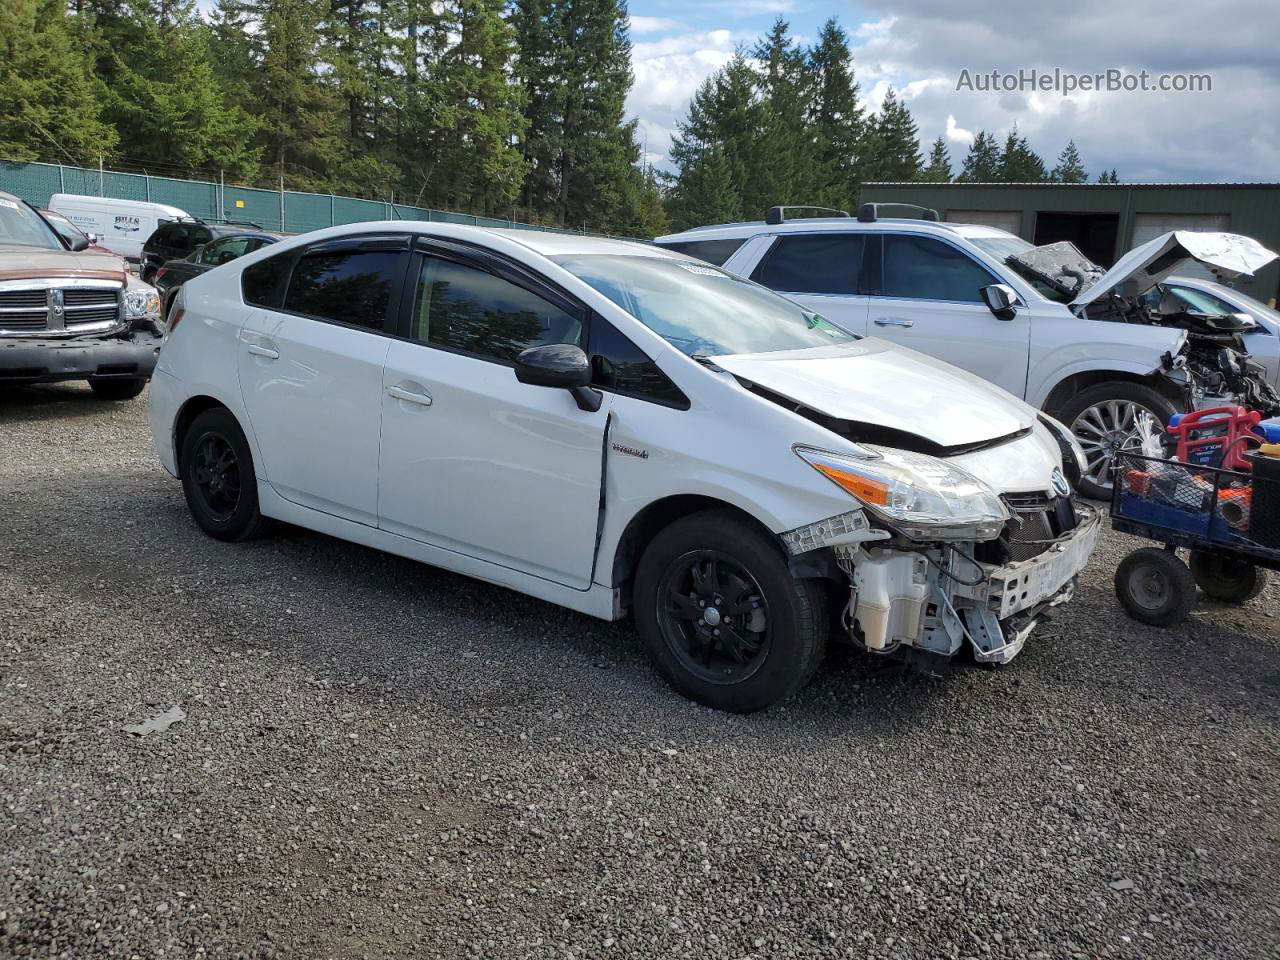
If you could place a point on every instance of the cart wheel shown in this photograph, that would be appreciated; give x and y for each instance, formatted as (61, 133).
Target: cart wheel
(1155, 587)
(1227, 579)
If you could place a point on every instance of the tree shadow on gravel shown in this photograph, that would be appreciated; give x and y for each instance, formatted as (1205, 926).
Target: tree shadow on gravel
(55, 401)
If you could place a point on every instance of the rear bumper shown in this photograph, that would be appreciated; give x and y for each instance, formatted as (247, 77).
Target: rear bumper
(127, 356)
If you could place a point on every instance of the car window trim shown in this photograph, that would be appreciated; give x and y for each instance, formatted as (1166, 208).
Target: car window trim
(758, 271)
(353, 245)
(882, 235)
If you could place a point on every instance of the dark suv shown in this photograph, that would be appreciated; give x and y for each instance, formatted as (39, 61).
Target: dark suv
(178, 238)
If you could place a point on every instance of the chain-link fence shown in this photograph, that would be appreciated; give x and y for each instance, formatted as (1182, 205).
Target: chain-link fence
(285, 211)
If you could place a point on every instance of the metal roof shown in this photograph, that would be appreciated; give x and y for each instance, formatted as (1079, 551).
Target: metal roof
(1074, 186)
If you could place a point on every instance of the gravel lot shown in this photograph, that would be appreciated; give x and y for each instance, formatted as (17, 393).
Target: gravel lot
(384, 760)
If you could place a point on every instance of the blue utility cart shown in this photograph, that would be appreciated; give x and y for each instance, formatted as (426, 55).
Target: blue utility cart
(1228, 520)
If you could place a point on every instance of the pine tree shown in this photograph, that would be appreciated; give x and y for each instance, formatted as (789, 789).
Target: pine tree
(982, 163)
(156, 80)
(481, 169)
(938, 169)
(1018, 162)
(575, 68)
(835, 118)
(49, 106)
(785, 172)
(704, 192)
(896, 143)
(725, 115)
(1070, 169)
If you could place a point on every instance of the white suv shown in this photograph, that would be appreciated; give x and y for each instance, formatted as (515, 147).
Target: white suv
(613, 427)
(1044, 323)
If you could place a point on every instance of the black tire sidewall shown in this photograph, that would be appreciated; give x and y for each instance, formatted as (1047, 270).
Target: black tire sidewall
(1207, 570)
(1182, 586)
(245, 519)
(795, 622)
(118, 389)
(1156, 402)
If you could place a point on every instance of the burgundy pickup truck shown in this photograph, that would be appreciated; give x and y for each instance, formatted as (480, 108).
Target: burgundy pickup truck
(68, 313)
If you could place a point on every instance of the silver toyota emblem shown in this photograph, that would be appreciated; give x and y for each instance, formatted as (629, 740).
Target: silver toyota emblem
(1059, 483)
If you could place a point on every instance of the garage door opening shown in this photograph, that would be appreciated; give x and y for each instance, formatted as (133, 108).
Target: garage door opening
(1094, 234)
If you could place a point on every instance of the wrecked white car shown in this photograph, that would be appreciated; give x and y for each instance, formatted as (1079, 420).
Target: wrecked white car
(1039, 322)
(621, 430)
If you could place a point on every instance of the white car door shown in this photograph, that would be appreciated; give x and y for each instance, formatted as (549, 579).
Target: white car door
(310, 363)
(821, 271)
(473, 460)
(928, 300)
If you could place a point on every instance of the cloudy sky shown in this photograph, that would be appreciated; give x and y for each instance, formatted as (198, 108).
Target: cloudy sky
(920, 47)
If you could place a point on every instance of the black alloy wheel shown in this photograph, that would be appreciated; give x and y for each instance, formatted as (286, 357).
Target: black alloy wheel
(714, 617)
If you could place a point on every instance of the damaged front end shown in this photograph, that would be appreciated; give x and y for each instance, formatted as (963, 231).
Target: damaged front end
(943, 562)
(1213, 366)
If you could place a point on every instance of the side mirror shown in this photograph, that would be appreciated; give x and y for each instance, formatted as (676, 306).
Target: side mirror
(92, 238)
(79, 243)
(1000, 300)
(562, 365)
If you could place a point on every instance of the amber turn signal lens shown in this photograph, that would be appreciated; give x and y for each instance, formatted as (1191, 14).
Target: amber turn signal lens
(866, 490)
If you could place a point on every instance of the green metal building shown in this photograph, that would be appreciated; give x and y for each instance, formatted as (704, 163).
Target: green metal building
(1106, 220)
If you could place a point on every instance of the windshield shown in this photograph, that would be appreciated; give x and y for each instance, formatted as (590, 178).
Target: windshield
(1001, 248)
(66, 229)
(21, 226)
(700, 310)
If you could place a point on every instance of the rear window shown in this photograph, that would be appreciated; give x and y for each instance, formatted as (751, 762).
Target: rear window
(711, 251)
(346, 286)
(261, 283)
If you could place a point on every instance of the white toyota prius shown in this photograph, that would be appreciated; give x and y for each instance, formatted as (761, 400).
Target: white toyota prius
(620, 429)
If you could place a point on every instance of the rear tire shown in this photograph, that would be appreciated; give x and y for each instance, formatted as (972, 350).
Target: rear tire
(1089, 415)
(1155, 587)
(1225, 579)
(722, 616)
(118, 389)
(218, 478)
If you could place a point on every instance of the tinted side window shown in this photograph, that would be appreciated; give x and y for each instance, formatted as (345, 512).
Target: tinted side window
(261, 282)
(619, 365)
(711, 251)
(197, 236)
(813, 263)
(347, 286)
(471, 310)
(921, 268)
(224, 251)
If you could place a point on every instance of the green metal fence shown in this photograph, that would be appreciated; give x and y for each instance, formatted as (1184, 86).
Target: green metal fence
(286, 211)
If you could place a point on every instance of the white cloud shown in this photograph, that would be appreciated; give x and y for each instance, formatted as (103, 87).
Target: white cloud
(957, 133)
(652, 24)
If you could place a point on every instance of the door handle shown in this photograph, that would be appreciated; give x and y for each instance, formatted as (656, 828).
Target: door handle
(400, 393)
(260, 351)
(893, 322)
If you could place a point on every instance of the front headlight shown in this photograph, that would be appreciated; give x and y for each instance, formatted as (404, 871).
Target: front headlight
(141, 302)
(920, 496)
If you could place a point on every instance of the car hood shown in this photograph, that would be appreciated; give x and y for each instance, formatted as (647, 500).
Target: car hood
(1226, 255)
(34, 263)
(885, 386)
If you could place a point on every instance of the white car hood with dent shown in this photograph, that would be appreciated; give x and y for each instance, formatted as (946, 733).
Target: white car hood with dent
(1226, 255)
(876, 382)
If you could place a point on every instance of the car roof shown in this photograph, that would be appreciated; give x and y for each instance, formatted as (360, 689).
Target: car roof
(734, 231)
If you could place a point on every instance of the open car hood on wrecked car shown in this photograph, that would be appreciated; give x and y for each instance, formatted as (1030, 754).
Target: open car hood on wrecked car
(1226, 255)
(887, 387)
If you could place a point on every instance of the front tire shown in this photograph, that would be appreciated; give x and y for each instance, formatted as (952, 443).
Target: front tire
(1155, 587)
(218, 478)
(722, 616)
(117, 389)
(1111, 417)
(1225, 579)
